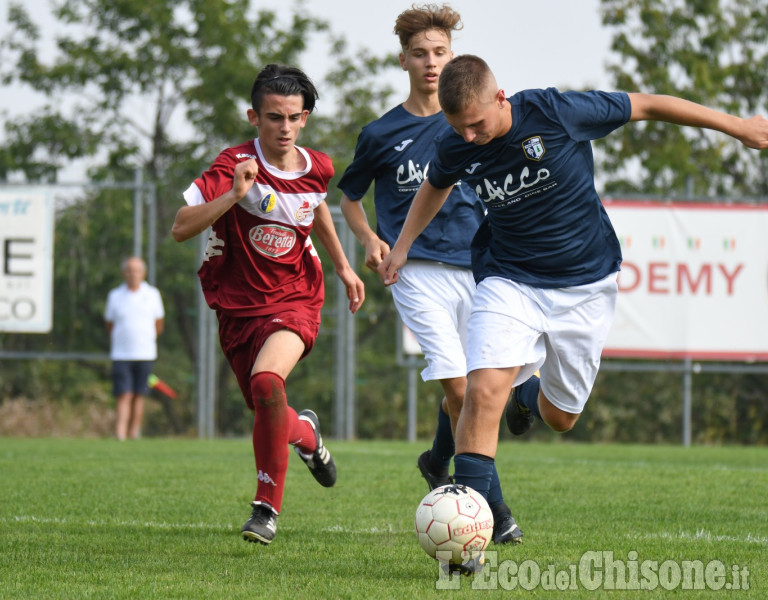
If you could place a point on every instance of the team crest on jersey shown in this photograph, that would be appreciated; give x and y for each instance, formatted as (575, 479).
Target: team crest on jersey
(267, 202)
(534, 148)
(272, 240)
(303, 212)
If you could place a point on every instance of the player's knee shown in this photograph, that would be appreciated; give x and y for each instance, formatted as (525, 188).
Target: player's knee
(452, 405)
(560, 421)
(563, 425)
(483, 401)
(267, 389)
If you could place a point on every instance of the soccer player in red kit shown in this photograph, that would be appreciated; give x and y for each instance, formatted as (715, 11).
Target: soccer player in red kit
(262, 276)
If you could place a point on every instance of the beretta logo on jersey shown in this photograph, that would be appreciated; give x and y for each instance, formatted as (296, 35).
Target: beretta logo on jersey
(267, 202)
(534, 148)
(272, 240)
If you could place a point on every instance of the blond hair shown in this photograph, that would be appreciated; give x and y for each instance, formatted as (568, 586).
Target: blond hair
(423, 17)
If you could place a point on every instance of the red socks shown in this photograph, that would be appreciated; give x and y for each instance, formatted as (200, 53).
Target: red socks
(275, 425)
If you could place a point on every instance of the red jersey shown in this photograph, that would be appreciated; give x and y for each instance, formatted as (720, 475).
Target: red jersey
(260, 259)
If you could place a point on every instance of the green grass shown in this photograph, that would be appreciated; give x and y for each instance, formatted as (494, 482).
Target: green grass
(160, 518)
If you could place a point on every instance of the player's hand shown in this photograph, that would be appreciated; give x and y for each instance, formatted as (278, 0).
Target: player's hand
(389, 266)
(355, 288)
(755, 133)
(375, 251)
(244, 177)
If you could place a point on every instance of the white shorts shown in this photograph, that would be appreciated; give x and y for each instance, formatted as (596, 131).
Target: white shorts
(434, 301)
(561, 332)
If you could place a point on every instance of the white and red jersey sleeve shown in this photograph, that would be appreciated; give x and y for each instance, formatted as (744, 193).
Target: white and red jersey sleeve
(259, 258)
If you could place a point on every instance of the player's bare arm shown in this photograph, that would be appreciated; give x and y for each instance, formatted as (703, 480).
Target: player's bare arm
(752, 132)
(193, 220)
(375, 248)
(426, 204)
(326, 233)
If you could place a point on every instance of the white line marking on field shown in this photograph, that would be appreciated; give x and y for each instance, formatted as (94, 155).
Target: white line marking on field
(356, 530)
(171, 526)
(644, 464)
(102, 523)
(701, 534)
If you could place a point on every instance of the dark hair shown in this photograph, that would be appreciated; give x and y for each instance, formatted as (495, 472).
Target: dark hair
(462, 80)
(283, 81)
(426, 16)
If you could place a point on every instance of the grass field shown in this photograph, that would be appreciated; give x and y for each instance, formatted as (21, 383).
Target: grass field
(161, 518)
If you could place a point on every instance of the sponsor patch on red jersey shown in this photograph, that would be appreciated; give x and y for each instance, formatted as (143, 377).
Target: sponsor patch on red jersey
(272, 240)
(303, 212)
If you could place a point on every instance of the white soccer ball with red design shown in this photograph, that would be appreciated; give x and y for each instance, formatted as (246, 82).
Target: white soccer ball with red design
(455, 519)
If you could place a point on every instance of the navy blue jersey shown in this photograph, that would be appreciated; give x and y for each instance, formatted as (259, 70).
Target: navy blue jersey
(546, 226)
(395, 151)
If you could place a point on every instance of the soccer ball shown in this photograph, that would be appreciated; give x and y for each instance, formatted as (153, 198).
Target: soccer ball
(454, 519)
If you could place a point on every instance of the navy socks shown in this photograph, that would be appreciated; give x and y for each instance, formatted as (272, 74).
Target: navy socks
(481, 470)
(527, 395)
(475, 471)
(443, 446)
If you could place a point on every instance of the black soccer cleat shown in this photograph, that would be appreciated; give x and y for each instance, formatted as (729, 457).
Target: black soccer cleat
(434, 480)
(519, 418)
(506, 531)
(262, 525)
(320, 462)
(468, 567)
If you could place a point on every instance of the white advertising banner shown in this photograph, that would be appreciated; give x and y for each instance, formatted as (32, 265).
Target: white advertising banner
(26, 260)
(693, 283)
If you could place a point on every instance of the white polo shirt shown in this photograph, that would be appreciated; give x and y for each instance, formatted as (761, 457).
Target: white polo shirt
(133, 315)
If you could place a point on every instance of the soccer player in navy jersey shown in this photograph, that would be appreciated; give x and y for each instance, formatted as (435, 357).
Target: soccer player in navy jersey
(262, 276)
(435, 292)
(546, 256)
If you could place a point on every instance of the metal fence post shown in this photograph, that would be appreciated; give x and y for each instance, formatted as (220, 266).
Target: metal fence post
(138, 212)
(349, 342)
(687, 386)
(201, 360)
(152, 233)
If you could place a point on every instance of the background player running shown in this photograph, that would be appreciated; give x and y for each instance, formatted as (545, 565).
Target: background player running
(434, 295)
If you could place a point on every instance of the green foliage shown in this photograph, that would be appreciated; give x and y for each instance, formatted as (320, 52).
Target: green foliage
(712, 52)
(40, 146)
(161, 519)
(129, 68)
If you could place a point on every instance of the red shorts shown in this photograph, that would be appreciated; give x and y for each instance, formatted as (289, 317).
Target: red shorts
(243, 337)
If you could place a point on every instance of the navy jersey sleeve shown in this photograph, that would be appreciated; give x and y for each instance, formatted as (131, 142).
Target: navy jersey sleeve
(445, 169)
(591, 115)
(360, 173)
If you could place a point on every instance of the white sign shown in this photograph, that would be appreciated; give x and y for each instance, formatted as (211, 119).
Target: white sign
(26, 260)
(693, 283)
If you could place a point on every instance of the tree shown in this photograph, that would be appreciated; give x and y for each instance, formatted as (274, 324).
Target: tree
(709, 51)
(712, 52)
(143, 83)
